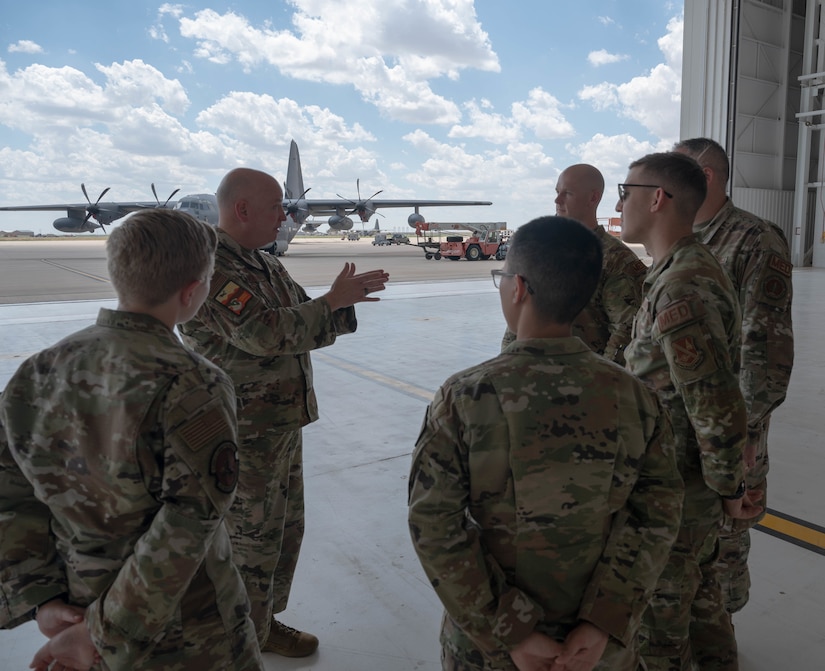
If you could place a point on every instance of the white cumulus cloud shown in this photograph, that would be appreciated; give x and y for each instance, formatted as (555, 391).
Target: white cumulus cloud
(604, 57)
(653, 99)
(25, 47)
(387, 49)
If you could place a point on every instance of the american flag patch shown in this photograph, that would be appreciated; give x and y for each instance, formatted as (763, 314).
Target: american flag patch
(202, 431)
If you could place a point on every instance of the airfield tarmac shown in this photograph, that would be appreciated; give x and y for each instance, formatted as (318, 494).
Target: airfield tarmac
(358, 584)
(75, 269)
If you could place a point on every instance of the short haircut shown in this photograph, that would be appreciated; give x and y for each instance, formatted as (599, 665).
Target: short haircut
(679, 175)
(707, 153)
(561, 261)
(156, 252)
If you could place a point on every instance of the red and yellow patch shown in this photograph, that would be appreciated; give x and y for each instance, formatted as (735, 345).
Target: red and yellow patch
(685, 353)
(233, 297)
(225, 467)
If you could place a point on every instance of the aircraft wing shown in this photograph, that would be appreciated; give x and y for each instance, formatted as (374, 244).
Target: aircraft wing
(72, 208)
(78, 215)
(322, 206)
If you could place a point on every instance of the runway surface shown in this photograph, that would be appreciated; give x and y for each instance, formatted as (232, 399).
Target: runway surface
(75, 269)
(358, 585)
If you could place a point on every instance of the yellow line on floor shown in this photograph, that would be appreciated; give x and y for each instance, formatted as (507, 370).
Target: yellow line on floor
(794, 530)
(413, 390)
(790, 530)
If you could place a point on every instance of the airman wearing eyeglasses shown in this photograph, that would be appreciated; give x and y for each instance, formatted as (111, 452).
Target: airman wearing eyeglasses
(544, 492)
(685, 345)
(605, 322)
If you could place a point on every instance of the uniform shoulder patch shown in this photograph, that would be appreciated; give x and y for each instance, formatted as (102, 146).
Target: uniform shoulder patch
(774, 288)
(638, 267)
(233, 296)
(224, 465)
(780, 265)
(685, 352)
(202, 431)
(689, 355)
(674, 315)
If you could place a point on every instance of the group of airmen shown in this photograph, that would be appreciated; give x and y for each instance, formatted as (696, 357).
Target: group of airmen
(580, 501)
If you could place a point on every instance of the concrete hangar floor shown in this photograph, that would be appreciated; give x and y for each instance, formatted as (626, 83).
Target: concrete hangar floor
(358, 585)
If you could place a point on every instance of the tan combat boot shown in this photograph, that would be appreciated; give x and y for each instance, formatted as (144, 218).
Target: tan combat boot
(289, 642)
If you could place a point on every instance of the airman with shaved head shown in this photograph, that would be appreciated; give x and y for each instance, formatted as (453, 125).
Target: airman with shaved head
(605, 322)
(260, 325)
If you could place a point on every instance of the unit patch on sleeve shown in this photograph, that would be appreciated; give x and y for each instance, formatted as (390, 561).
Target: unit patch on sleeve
(774, 288)
(225, 467)
(233, 297)
(685, 353)
(690, 357)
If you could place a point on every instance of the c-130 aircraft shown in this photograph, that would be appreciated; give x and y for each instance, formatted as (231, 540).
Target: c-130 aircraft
(88, 217)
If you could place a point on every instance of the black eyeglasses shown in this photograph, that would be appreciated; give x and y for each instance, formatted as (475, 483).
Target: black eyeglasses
(623, 189)
(497, 274)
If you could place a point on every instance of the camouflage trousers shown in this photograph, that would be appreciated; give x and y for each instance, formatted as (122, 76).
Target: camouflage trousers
(199, 641)
(266, 522)
(689, 590)
(734, 539)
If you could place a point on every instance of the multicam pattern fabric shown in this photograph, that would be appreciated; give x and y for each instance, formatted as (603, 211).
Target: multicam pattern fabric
(544, 490)
(259, 325)
(605, 324)
(606, 321)
(118, 461)
(755, 254)
(686, 346)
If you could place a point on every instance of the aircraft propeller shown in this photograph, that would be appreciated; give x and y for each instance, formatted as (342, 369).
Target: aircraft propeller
(92, 210)
(361, 206)
(294, 209)
(166, 202)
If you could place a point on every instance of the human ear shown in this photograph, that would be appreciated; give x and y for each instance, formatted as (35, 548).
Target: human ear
(187, 294)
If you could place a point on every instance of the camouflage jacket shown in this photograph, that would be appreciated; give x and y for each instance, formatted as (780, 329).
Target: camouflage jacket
(259, 325)
(118, 461)
(544, 490)
(686, 346)
(605, 322)
(755, 254)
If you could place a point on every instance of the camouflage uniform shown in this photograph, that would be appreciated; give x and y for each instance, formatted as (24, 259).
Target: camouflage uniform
(259, 325)
(755, 254)
(118, 461)
(605, 322)
(686, 346)
(544, 491)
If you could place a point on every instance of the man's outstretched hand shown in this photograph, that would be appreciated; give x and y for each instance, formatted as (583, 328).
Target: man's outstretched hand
(349, 288)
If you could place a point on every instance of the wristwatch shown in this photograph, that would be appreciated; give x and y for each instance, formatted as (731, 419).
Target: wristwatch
(738, 494)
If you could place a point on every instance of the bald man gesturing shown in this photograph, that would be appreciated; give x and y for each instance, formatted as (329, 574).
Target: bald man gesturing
(259, 325)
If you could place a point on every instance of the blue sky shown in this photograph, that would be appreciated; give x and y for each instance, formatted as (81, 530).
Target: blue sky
(421, 98)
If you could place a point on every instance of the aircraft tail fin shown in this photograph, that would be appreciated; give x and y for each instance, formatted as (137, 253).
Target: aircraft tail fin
(294, 187)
